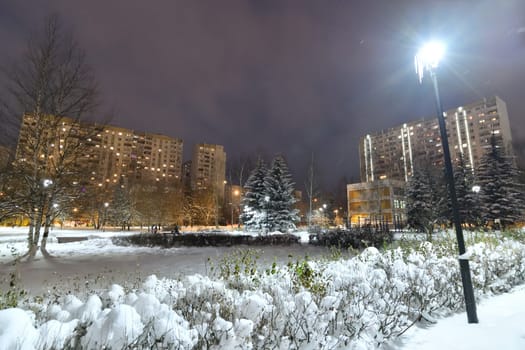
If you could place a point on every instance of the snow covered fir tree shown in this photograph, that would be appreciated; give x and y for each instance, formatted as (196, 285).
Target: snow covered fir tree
(253, 200)
(500, 192)
(491, 195)
(269, 198)
(279, 189)
(467, 192)
(425, 193)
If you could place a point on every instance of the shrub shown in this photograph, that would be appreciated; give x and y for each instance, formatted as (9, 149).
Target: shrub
(204, 240)
(362, 302)
(357, 238)
(12, 295)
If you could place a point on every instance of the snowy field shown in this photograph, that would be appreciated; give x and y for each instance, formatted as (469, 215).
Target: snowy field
(100, 262)
(266, 310)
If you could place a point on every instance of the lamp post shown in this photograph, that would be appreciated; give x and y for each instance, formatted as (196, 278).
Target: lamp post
(325, 216)
(267, 201)
(235, 194)
(106, 205)
(475, 210)
(427, 59)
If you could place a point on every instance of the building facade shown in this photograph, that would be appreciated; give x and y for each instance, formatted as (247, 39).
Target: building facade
(393, 153)
(109, 152)
(139, 155)
(378, 202)
(208, 168)
(388, 158)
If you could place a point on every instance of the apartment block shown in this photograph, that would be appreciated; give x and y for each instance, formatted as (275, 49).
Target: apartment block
(139, 155)
(109, 152)
(388, 157)
(208, 168)
(393, 153)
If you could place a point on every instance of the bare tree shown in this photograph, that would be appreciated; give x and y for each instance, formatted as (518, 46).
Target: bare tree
(238, 172)
(312, 188)
(48, 92)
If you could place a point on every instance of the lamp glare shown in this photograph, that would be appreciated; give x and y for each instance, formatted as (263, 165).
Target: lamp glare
(428, 57)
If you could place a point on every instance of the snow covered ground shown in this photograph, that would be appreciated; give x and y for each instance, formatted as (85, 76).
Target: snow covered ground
(156, 309)
(501, 326)
(101, 262)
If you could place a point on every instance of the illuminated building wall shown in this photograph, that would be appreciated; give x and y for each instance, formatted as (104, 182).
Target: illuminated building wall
(208, 168)
(377, 202)
(112, 151)
(138, 155)
(393, 153)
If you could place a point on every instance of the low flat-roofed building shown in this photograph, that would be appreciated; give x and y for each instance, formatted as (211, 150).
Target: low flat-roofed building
(380, 202)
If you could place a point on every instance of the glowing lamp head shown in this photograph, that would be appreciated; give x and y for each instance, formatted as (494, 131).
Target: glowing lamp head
(428, 57)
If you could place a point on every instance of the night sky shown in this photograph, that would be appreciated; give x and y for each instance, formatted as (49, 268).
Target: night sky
(290, 77)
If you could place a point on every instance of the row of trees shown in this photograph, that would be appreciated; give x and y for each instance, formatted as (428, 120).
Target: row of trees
(491, 195)
(158, 203)
(268, 202)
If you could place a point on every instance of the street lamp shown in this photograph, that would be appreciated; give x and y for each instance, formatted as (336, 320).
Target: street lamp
(427, 59)
(235, 193)
(106, 205)
(267, 200)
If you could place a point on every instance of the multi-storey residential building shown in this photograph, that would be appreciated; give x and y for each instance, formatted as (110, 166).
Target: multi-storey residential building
(388, 158)
(392, 153)
(139, 155)
(208, 168)
(109, 151)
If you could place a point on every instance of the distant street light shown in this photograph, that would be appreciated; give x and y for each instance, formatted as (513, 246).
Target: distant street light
(235, 193)
(106, 205)
(476, 189)
(267, 200)
(427, 59)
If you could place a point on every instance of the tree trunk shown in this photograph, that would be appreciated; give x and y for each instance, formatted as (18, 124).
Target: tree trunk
(46, 234)
(36, 238)
(30, 240)
(430, 232)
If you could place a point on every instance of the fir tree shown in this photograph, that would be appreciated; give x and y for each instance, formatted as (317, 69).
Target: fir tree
(468, 199)
(253, 200)
(426, 205)
(279, 187)
(501, 194)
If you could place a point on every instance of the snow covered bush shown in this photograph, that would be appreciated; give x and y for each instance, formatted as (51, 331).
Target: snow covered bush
(12, 294)
(356, 303)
